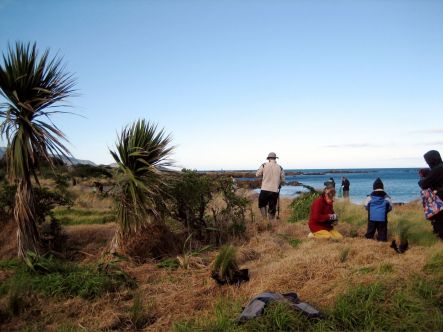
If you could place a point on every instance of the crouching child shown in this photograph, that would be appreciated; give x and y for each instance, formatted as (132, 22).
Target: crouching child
(378, 204)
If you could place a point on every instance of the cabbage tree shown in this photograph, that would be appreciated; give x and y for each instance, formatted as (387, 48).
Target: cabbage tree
(31, 86)
(142, 156)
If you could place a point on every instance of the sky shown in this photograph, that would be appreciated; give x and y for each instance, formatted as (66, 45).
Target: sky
(324, 84)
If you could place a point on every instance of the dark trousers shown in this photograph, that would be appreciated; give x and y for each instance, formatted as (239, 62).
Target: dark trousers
(437, 224)
(345, 193)
(381, 228)
(268, 198)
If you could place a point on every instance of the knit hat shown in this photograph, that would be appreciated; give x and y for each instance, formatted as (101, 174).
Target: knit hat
(433, 158)
(378, 184)
(329, 184)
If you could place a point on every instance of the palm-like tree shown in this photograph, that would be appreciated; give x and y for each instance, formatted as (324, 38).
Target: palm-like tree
(142, 157)
(31, 85)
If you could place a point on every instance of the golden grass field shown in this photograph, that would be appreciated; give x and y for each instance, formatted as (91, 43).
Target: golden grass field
(279, 256)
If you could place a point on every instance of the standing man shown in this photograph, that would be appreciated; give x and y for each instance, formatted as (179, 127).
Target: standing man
(345, 184)
(273, 176)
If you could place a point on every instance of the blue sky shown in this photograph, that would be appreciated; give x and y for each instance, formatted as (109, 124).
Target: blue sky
(324, 84)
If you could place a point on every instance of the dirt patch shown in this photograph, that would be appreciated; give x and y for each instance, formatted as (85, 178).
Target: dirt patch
(8, 239)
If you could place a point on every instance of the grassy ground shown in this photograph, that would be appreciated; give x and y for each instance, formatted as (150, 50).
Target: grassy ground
(359, 284)
(82, 216)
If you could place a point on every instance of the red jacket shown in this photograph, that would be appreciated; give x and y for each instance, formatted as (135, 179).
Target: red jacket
(319, 217)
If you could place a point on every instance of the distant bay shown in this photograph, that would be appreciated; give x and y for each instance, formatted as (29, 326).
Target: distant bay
(400, 183)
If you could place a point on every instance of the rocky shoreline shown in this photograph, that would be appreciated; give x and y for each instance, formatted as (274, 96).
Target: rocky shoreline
(251, 174)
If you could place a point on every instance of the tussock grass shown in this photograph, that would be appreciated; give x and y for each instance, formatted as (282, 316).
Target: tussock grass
(78, 216)
(225, 311)
(354, 215)
(344, 253)
(408, 222)
(67, 327)
(225, 264)
(386, 268)
(169, 263)
(278, 317)
(295, 243)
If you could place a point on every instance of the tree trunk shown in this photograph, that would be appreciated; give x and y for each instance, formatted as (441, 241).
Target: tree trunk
(24, 214)
(117, 241)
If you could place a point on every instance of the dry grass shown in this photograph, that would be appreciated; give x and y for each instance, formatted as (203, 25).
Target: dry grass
(89, 240)
(8, 239)
(314, 269)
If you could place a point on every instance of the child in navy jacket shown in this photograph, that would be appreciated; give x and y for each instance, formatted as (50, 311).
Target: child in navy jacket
(378, 204)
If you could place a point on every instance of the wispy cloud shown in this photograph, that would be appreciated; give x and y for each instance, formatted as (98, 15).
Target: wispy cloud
(405, 158)
(352, 145)
(427, 131)
(430, 143)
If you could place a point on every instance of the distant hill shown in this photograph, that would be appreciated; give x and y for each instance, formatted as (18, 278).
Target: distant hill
(75, 161)
(68, 161)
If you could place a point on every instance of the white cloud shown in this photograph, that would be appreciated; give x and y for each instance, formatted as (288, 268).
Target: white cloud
(427, 131)
(352, 145)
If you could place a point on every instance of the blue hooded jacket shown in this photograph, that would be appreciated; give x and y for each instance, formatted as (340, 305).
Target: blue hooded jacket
(378, 205)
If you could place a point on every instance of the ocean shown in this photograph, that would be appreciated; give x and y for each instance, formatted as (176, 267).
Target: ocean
(400, 183)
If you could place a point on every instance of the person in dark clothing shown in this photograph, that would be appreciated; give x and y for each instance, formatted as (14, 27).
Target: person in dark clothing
(378, 204)
(345, 186)
(432, 178)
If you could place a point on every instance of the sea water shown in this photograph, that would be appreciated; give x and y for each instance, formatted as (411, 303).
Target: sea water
(399, 183)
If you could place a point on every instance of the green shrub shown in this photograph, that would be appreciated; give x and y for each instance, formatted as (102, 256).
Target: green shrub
(44, 201)
(90, 171)
(208, 206)
(301, 206)
(7, 198)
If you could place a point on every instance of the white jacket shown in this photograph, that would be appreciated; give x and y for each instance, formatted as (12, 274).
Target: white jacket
(273, 175)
